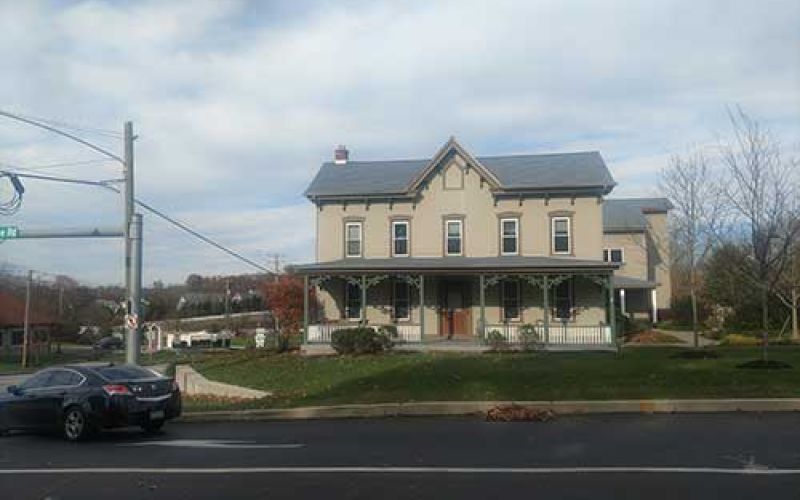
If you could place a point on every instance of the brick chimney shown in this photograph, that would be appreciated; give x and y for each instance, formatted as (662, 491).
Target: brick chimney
(341, 155)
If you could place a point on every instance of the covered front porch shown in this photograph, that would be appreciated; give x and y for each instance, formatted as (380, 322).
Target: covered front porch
(464, 303)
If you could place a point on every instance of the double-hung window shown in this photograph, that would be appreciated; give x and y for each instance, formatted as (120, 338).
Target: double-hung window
(454, 237)
(613, 255)
(353, 239)
(562, 300)
(402, 301)
(400, 238)
(561, 235)
(509, 236)
(511, 300)
(352, 300)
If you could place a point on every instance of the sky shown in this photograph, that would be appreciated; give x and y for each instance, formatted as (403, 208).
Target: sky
(236, 104)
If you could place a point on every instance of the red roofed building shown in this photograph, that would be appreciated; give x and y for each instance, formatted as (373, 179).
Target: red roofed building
(12, 320)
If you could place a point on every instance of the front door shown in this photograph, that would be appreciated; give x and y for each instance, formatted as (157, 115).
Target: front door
(455, 311)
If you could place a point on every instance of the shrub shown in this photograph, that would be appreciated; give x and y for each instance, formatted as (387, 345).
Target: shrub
(529, 337)
(496, 340)
(360, 340)
(389, 330)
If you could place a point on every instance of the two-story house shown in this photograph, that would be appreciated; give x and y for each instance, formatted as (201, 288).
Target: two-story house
(461, 247)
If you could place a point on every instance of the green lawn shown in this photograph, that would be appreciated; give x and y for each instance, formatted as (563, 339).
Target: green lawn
(399, 377)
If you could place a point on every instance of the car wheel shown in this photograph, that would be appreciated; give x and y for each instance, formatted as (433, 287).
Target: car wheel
(153, 426)
(74, 425)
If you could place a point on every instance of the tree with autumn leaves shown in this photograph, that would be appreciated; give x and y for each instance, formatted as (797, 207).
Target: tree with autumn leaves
(284, 298)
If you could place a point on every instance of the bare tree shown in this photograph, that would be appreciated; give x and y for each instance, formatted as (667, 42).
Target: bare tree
(762, 189)
(698, 216)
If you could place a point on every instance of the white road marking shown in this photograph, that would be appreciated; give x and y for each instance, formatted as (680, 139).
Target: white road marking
(214, 443)
(404, 470)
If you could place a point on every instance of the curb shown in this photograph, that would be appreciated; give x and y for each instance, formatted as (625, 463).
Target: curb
(475, 408)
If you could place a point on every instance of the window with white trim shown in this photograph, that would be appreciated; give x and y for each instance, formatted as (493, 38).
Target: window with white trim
(353, 238)
(561, 235)
(511, 300)
(509, 236)
(613, 255)
(352, 301)
(453, 233)
(563, 300)
(402, 301)
(400, 238)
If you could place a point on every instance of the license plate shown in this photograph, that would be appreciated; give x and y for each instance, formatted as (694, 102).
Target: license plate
(157, 415)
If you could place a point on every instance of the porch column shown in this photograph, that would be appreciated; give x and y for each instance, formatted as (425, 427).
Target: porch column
(305, 309)
(363, 298)
(612, 313)
(421, 307)
(654, 305)
(622, 301)
(546, 306)
(482, 327)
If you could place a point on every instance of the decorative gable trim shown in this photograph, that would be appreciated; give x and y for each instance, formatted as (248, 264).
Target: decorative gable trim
(452, 145)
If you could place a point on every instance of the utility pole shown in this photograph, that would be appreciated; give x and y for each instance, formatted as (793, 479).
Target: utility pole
(27, 321)
(132, 225)
(134, 303)
(228, 304)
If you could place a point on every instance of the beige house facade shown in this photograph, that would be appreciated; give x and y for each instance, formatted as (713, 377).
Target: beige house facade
(458, 247)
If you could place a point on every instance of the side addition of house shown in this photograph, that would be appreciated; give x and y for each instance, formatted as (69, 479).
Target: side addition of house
(458, 247)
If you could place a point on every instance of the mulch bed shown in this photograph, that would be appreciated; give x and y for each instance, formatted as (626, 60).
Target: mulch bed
(517, 413)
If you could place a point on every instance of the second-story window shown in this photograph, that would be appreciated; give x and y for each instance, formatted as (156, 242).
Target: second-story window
(509, 236)
(453, 237)
(613, 255)
(353, 237)
(400, 238)
(561, 235)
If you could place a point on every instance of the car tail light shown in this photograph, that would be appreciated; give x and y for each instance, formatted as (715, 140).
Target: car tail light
(117, 390)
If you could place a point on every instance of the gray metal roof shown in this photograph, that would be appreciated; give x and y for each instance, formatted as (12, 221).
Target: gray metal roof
(454, 264)
(633, 283)
(629, 214)
(542, 171)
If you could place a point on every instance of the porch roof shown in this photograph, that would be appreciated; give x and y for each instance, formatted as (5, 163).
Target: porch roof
(633, 283)
(534, 264)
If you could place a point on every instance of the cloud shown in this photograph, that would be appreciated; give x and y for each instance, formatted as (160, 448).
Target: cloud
(236, 103)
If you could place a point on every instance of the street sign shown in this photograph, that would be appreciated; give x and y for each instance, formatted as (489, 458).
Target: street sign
(131, 320)
(8, 232)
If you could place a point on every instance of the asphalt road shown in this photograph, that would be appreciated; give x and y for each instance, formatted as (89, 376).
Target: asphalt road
(660, 456)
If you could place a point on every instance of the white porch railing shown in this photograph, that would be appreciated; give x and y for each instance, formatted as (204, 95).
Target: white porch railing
(321, 334)
(558, 334)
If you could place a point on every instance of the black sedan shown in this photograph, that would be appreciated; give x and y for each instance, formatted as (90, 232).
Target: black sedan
(82, 399)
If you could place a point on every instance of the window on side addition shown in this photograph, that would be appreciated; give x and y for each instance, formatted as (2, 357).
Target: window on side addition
(613, 255)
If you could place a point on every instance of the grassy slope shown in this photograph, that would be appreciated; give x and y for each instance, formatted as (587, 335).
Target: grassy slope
(636, 373)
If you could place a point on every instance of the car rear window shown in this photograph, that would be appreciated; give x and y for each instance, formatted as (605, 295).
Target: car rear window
(125, 372)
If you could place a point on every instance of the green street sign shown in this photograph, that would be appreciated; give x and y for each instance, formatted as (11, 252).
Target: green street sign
(8, 232)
